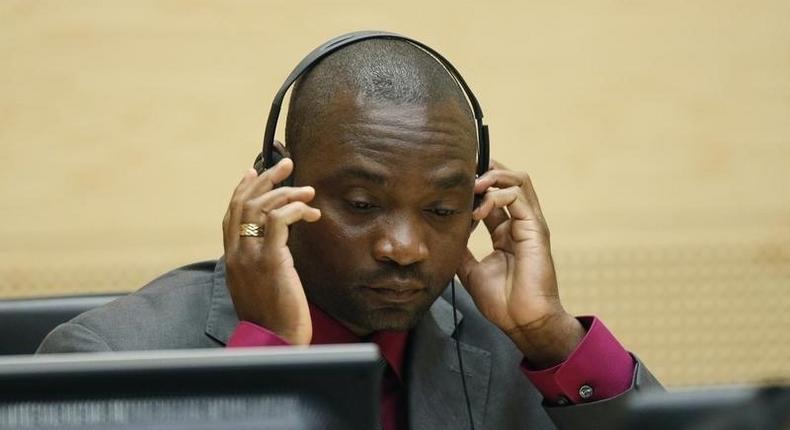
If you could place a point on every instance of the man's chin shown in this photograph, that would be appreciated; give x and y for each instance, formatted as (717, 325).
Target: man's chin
(363, 317)
(392, 319)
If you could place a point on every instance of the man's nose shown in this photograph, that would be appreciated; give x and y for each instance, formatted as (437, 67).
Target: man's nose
(401, 241)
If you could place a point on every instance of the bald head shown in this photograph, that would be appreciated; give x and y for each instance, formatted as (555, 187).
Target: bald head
(378, 71)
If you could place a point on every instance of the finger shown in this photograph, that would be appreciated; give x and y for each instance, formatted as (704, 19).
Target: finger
(267, 180)
(229, 221)
(278, 220)
(468, 263)
(514, 199)
(491, 209)
(255, 209)
(501, 179)
(495, 218)
(489, 213)
(251, 185)
(246, 179)
(532, 197)
(506, 178)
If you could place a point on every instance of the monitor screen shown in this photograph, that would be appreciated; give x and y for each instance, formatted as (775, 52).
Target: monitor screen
(332, 386)
(723, 408)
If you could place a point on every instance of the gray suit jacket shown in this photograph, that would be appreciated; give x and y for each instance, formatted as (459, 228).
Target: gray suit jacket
(190, 307)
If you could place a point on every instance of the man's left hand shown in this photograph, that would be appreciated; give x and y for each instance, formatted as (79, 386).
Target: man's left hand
(515, 286)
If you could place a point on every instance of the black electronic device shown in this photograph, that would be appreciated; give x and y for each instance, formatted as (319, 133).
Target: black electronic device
(723, 408)
(283, 388)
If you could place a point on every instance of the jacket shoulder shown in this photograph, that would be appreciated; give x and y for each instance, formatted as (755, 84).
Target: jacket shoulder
(168, 313)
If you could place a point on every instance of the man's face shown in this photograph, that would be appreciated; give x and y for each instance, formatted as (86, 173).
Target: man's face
(394, 184)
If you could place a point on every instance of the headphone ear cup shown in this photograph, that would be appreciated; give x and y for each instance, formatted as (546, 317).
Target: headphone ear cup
(259, 165)
(276, 157)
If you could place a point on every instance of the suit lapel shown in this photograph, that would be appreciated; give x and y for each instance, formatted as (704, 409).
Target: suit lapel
(221, 319)
(435, 392)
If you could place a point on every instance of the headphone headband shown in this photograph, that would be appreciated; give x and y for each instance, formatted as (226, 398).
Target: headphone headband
(351, 38)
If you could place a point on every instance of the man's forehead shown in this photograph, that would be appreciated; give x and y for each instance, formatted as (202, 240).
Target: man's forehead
(376, 124)
(444, 109)
(445, 174)
(387, 133)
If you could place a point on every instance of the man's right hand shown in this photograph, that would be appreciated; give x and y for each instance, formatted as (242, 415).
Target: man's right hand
(260, 272)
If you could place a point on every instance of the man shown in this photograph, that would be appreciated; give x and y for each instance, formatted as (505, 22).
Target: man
(364, 244)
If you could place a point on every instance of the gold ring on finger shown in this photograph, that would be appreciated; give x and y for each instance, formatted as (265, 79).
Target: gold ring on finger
(250, 230)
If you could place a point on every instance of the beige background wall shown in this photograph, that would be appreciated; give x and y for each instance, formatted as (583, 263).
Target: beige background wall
(657, 133)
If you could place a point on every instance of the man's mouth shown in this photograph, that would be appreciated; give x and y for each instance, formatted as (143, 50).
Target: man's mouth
(395, 293)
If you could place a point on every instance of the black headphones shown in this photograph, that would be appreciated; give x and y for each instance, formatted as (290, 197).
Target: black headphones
(268, 157)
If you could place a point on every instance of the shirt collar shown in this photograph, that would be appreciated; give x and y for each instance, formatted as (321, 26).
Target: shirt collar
(391, 343)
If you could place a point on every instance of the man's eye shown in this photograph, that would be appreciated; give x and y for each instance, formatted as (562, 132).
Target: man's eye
(361, 205)
(443, 212)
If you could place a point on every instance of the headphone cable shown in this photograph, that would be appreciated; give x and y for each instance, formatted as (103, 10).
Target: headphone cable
(460, 360)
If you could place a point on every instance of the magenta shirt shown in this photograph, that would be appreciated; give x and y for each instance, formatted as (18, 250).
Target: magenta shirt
(599, 368)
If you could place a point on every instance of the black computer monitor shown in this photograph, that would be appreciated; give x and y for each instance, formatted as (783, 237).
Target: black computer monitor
(723, 408)
(281, 388)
